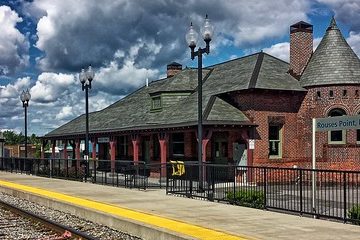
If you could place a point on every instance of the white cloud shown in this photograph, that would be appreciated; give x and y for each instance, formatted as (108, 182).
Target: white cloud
(14, 46)
(118, 80)
(77, 33)
(65, 112)
(346, 11)
(250, 22)
(14, 90)
(354, 42)
(129, 41)
(279, 50)
(50, 86)
(282, 50)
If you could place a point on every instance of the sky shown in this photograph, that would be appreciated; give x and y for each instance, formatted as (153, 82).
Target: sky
(44, 44)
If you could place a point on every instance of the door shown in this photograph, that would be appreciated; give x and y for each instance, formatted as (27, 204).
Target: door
(220, 151)
(146, 150)
(240, 154)
(240, 160)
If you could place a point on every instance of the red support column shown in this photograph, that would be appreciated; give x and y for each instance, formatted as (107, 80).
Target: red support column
(65, 149)
(93, 153)
(163, 141)
(77, 152)
(112, 153)
(205, 141)
(135, 139)
(53, 145)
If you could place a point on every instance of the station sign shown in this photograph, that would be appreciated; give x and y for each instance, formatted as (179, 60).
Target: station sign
(337, 123)
(103, 140)
(251, 143)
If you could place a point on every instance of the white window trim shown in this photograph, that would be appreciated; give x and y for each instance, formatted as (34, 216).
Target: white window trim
(337, 142)
(280, 143)
(153, 101)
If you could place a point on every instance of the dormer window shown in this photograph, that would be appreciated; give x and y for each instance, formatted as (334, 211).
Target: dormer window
(156, 103)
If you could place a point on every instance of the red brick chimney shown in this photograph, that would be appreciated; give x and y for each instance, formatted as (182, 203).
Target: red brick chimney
(173, 68)
(301, 47)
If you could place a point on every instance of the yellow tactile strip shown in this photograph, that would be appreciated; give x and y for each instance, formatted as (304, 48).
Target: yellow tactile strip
(173, 225)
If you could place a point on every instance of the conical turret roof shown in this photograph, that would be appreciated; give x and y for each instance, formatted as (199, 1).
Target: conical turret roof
(333, 62)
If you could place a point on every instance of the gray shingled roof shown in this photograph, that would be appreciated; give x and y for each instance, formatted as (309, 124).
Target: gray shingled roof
(133, 112)
(333, 62)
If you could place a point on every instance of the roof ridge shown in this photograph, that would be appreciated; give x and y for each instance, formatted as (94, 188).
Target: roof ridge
(256, 71)
(209, 106)
(332, 25)
(231, 60)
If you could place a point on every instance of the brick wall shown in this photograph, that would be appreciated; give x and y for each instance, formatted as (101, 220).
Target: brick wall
(341, 156)
(19, 150)
(260, 105)
(297, 111)
(301, 48)
(189, 150)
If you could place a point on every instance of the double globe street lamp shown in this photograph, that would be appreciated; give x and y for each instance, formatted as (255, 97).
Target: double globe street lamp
(191, 38)
(25, 98)
(86, 78)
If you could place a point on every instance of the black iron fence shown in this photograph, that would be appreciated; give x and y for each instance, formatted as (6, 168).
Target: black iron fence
(121, 174)
(336, 194)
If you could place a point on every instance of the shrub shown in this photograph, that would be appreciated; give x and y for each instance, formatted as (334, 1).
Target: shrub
(247, 198)
(354, 214)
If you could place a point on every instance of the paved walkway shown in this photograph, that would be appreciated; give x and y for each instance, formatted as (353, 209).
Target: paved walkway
(195, 219)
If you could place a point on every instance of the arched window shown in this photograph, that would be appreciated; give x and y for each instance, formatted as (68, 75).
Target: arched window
(338, 136)
(358, 134)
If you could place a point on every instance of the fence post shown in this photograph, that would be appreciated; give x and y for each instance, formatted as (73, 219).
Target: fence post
(234, 191)
(167, 178)
(210, 192)
(344, 185)
(191, 182)
(265, 186)
(50, 170)
(94, 178)
(301, 192)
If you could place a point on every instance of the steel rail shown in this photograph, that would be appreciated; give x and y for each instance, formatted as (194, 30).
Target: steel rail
(57, 227)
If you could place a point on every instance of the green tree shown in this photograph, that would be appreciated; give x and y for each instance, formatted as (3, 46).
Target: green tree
(11, 138)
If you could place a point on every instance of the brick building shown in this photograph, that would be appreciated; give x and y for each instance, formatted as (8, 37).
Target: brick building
(257, 110)
(18, 150)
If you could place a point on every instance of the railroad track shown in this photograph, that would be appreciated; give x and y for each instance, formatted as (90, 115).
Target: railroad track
(16, 219)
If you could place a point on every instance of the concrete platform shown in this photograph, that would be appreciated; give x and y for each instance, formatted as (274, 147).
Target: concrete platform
(152, 214)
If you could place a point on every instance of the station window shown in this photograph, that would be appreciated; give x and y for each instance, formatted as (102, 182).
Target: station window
(358, 134)
(344, 93)
(318, 95)
(357, 95)
(122, 147)
(275, 141)
(331, 93)
(156, 103)
(178, 145)
(337, 136)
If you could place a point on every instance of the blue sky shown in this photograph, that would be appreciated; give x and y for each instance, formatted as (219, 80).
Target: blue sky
(45, 43)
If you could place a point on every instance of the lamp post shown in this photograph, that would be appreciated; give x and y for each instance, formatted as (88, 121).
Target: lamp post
(25, 98)
(85, 79)
(191, 38)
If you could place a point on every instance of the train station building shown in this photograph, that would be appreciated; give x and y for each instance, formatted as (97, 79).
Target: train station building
(257, 111)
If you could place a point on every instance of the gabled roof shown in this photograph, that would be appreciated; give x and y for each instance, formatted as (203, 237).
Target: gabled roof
(223, 112)
(257, 71)
(333, 62)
